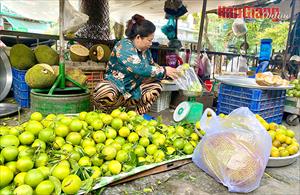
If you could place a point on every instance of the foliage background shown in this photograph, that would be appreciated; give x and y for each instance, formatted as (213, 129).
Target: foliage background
(219, 33)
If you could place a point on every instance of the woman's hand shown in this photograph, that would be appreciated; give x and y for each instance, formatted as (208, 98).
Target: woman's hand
(173, 73)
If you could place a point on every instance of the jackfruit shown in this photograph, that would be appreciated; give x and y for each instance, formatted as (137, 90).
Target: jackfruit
(21, 57)
(100, 53)
(46, 55)
(75, 73)
(40, 76)
(79, 53)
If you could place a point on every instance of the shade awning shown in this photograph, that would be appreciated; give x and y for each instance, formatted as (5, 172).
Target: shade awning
(26, 26)
(120, 10)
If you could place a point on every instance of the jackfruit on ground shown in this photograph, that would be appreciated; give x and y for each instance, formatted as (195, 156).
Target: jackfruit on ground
(21, 57)
(100, 53)
(46, 55)
(40, 76)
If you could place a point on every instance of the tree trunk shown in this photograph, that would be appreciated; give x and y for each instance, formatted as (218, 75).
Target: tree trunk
(97, 27)
(209, 45)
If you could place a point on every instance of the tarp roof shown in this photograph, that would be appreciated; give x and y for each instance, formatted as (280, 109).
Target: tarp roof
(24, 26)
(120, 10)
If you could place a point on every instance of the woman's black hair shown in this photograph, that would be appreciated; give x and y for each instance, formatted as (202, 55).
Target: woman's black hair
(138, 25)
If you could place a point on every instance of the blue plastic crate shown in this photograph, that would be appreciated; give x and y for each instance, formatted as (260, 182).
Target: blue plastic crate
(276, 119)
(24, 103)
(251, 104)
(269, 116)
(267, 103)
(20, 88)
(251, 94)
(20, 85)
(23, 94)
(19, 74)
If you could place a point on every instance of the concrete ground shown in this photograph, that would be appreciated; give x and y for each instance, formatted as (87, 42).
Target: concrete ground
(189, 180)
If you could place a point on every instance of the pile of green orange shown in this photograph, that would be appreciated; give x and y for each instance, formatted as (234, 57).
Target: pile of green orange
(284, 142)
(62, 153)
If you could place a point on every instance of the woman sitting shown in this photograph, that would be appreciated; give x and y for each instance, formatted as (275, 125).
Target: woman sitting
(132, 78)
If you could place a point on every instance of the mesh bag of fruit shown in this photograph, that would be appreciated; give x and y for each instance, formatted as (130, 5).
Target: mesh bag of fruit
(235, 149)
(188, 81)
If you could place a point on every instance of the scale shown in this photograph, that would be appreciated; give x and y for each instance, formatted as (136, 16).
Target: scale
(191, 110)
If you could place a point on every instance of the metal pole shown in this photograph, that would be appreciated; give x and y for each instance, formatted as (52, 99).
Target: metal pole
(288, 39)
(61, 43)
(203, 14)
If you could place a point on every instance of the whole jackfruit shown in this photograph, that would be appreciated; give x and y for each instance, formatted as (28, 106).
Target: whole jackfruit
(46, 55)
(21, 57)
(40, 76)
(74, 73)
(100, 53)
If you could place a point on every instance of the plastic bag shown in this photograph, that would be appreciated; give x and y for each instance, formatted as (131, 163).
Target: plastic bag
(207, 65)
(199, 66)
(171, 60)
(170, 28)
(235, 149)
(237, 64)
(239, 27)
(73, 19)
(188, 80)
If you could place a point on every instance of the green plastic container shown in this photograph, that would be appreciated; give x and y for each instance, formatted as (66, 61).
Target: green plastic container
(73, 102)
(189, 111)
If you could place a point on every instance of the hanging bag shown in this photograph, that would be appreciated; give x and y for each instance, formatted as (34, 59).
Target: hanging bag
(170, 28)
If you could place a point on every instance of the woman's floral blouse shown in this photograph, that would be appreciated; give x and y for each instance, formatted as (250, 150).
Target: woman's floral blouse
(128, 67)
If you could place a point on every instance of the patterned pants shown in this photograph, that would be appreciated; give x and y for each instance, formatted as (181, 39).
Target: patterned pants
(107, 97)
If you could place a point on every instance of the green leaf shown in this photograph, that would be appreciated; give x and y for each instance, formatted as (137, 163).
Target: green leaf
(88, 184)
(163, 148)
(74, 165)
(57, 184)
(133, 160)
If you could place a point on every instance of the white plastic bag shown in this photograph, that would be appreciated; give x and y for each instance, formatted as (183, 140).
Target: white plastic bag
(73, 19)
(235, 150)
(207, 65)
(189, 80)
(239, 27)
(237, 64)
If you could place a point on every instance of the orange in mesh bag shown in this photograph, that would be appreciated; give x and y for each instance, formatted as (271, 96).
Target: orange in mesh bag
(233, 151)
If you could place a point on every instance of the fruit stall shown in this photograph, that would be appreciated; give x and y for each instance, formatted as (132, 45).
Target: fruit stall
(53, 141)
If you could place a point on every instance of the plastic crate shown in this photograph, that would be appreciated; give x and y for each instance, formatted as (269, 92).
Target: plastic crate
(20, 88)
(269, 104)
(93, 77)
(162, 102)
(251, 94)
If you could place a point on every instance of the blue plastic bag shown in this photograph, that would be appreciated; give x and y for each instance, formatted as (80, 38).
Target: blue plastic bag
(235, 149)
(170, 28)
